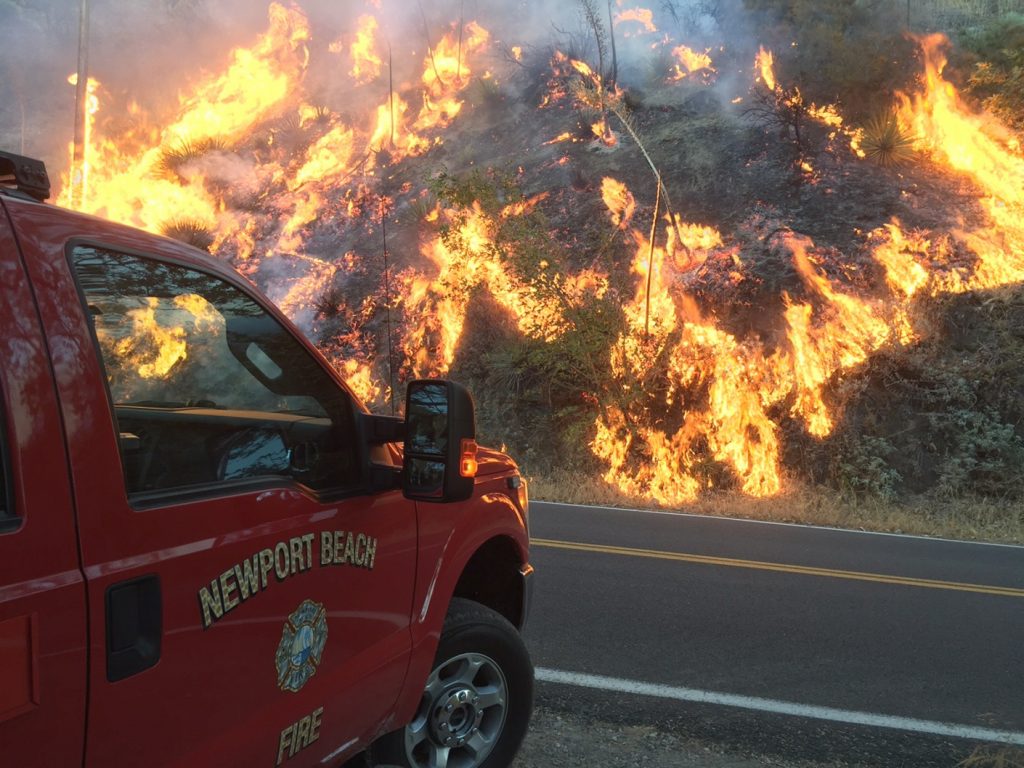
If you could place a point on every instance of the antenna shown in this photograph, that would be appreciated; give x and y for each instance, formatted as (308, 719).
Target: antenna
(81, 105)
(387, 301)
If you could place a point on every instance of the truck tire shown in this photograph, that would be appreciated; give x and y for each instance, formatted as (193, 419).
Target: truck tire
(476, 702)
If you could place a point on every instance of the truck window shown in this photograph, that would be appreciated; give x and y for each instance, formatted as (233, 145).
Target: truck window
(208, 389)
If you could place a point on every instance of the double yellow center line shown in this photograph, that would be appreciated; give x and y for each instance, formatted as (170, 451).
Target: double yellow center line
(757, 565)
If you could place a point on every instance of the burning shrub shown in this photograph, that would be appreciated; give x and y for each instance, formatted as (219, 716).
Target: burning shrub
(838, 50)
(190, 231)
(937, 418)
(781, 109)
(174, 159)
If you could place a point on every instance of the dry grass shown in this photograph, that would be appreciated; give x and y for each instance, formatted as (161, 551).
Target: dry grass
(966, 519)
(994, 757)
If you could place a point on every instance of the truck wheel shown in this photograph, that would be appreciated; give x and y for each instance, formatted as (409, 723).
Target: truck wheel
(476, 703)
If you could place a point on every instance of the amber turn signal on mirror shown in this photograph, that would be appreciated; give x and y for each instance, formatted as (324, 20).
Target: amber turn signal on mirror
(467, 458)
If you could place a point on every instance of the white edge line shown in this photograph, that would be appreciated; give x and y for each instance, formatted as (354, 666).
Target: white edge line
(804, 526)
(639, 688)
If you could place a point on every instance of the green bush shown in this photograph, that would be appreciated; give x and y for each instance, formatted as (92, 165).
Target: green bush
(863, 469)
(997, 76)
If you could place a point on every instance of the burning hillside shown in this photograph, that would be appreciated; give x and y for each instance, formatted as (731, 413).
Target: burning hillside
(649, 243)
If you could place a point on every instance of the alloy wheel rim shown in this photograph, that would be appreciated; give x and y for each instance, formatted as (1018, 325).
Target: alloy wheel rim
(461, 714)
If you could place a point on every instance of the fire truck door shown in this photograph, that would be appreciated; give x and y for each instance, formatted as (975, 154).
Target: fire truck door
(42, 593)
(249, 604)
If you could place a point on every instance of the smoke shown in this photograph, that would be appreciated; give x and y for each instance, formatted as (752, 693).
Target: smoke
(148, 52)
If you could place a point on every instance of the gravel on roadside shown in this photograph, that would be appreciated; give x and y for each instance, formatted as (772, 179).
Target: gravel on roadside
(561, 740)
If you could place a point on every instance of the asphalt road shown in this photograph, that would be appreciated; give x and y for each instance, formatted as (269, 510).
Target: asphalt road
(788, 640)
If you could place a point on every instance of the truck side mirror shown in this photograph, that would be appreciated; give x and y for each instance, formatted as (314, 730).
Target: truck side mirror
(439, 461)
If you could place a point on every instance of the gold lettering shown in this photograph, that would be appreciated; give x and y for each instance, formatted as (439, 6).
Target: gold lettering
(302, 734)
(299, 735)
(314, 726)
(326, 547)
(266, 565)
(248, 577)
(226, 588)
(308, 541)
(350, 554)
(298, 560)
(371, 552)
(210, 602)
(287, 739)
(360, 549)
(281, 563)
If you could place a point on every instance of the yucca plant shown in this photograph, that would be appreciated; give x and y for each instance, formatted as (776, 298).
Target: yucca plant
(886, 141)
(173, 159)
(322, 114)
(190, 231)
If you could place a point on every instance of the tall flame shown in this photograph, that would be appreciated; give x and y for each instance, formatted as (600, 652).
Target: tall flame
(366, 62)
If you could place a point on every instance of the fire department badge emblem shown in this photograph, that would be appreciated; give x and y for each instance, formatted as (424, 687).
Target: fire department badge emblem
(302, 646)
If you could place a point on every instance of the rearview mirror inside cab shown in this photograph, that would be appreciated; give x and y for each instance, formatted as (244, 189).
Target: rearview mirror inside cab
(440, 442)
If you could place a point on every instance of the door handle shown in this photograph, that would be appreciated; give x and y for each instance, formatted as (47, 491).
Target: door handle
(134, 626)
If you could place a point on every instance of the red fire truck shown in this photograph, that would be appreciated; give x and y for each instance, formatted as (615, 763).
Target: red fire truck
(210, 552)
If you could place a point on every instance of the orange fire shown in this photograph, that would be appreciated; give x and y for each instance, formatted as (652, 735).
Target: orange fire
(728, 391)
(156, 176)
(152, 349)
(446, 72)
(619, 201)
(80, 173)
(984, 150)
(466, 260)
(827, 333)
(764, 63)
(689, 62)
(366, 63)
(642, 16)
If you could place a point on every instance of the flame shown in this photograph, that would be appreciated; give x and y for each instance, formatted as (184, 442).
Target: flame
(257, 80)
(604, 134)
(851, 331)
(619, 201)
(727, 386)
(642, 16)
(152, 349)
(193, 167)
(466, 260)
(360, 378)
(902, 256)
(728, 390)
(366, 64)
(980, 147)
(827, 114)
(327, 158)
(127, 183)
(393, 133)
(689, 62)
(764, 63)
(446, 73)
(80, 167)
